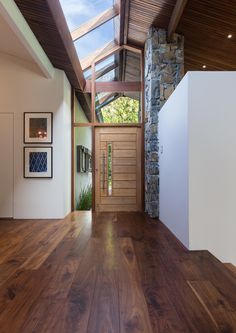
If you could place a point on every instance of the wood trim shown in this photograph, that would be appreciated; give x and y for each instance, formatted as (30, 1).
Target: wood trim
(126, 21)
(143, 130)
(117, 86)
(107, 125)
(93, 170)
(93, 91)
(176, 16)
(94, 23)
(59, 19)
(117, 22)
(105, 98)
(142, 89)
(109, 100)
(106, 69)
(72, 149)
(114, 86)
(105, 52)
(100, 54)
(133, 48)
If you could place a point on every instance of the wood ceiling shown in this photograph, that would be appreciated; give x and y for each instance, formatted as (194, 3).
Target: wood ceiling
(204, 23)
(47, 22)
(143, 14)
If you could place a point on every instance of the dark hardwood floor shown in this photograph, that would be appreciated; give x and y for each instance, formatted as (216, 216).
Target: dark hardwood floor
(109, 273)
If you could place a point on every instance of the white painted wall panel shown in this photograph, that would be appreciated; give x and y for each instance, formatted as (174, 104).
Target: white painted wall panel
(212, 163)
(83, 136)
(24, 90)
(6, 164)
(173, 141)
(206, 211)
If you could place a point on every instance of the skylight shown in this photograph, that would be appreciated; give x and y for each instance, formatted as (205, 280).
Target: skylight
(95, 39)
(78, 12)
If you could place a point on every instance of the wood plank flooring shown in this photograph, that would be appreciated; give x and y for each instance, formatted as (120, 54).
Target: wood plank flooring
(109, 273)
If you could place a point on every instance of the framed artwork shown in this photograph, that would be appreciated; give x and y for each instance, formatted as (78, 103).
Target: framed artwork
(38, 162)
(88, 161)
(38, 127)
(84, 160)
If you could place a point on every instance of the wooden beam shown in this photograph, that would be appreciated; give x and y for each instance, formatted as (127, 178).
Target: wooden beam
(107, 125)
(114, 86)
(106, 69)
(104, 98)
(93, 96)
(60, 22)
(122, 24)
(100, 54)
(117, 22)
(107, 101)
(117, 86)
(176, 16)
(126, 21)
(133, 48)
(85, 102)
(96, 22)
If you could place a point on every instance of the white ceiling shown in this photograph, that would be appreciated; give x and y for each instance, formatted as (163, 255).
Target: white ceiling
(10, 43)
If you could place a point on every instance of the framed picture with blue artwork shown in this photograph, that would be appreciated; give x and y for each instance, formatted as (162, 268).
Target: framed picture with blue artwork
(38, 162)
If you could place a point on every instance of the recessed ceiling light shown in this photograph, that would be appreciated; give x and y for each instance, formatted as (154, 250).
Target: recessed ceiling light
(229, 36)
(204, 66)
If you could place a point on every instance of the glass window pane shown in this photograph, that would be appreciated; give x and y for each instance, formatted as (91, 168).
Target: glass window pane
(94, 40)
(127, 66)
(110, 76)
(78, 12)
(118, 107)
(109, 169)
(83, 168)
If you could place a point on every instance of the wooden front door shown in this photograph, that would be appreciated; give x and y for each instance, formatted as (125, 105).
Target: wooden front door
(118, 169)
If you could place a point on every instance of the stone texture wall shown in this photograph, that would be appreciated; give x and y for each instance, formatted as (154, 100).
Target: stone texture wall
(164, 68)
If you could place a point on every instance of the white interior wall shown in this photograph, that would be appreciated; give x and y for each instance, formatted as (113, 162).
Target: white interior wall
(207, 170)
(6, 164)
(212, 163)
(83, 136)
(173, 160)
(22, 89)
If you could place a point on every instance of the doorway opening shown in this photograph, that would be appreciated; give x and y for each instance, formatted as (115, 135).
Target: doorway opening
(108, 145)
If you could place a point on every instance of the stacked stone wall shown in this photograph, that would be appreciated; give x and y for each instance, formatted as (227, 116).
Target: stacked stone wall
(164, 68)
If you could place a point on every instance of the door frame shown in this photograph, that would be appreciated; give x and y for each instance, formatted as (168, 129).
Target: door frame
(93, 124)
(94, 162)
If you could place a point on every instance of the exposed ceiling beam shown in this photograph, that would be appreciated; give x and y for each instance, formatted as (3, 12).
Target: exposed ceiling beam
(96, 22)
(60, 22)
(114, 86)
(176, 16)
(99, 55)
(85, 103)
(126, 21)
(121, 33)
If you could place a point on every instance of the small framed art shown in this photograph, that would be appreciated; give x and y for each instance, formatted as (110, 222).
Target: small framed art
(38, 127)
(38, 162)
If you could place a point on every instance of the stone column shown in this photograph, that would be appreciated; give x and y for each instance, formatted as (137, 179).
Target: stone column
(164, 68)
